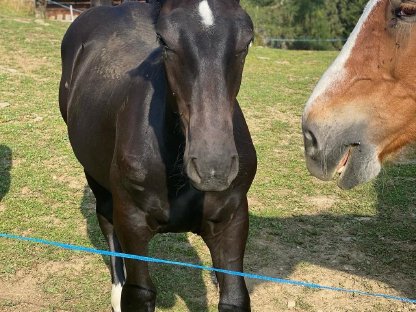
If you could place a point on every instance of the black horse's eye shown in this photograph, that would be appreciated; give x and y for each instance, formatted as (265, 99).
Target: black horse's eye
(161, 41)
(242, 52)
(245, 50)
(165, 46)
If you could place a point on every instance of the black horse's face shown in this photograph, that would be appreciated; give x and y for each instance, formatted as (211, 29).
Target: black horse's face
(204, 47)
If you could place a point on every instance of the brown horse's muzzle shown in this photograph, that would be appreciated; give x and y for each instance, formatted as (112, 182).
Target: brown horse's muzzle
(340, 150)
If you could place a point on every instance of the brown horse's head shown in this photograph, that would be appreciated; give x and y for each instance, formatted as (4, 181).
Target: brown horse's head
(363, 110)
(204, 46)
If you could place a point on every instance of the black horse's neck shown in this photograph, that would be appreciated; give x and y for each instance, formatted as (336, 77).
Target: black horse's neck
(174, 142)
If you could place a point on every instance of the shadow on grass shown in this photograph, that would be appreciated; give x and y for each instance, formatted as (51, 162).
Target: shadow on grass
(380, 247)
(5, 167)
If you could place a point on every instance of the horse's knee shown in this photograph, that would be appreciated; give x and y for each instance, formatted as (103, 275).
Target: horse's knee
(222, 307)
(135, 298)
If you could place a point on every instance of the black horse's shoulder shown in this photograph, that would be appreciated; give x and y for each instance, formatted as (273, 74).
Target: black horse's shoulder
(132, 21)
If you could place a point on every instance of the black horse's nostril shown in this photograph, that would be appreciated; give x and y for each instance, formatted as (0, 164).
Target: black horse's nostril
(212, 174)
(233, 169)
(193, 170)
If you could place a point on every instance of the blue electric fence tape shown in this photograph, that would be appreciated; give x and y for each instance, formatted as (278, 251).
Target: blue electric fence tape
(201, 267)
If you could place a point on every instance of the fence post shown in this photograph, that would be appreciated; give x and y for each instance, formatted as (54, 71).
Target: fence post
(72, 12)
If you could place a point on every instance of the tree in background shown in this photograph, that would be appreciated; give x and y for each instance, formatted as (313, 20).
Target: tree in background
(304, 19)
(350, 11)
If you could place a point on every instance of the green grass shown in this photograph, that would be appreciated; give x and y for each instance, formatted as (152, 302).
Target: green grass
(300, 227)
(17, 7)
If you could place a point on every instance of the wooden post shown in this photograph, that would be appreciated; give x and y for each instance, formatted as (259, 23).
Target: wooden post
(72, 12)
(40, 8)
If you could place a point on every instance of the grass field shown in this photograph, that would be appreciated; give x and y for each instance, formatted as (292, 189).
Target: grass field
(300, 228)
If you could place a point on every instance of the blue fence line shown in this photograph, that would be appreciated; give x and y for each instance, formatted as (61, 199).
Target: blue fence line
(201, 267)
(271, 40)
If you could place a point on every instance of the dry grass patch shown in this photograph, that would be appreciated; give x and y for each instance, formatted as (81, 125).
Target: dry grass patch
(25, 7)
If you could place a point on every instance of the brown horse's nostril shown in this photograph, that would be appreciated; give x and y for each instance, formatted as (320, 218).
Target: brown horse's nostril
(310, 137)
(311, 143)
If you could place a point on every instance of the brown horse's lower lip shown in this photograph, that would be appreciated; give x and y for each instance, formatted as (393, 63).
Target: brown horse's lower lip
(343, 163)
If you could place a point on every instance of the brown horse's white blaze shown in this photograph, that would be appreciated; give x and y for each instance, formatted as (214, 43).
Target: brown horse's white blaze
(363, 110)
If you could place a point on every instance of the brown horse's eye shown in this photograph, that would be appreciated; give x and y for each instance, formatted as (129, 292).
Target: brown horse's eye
(406, 10)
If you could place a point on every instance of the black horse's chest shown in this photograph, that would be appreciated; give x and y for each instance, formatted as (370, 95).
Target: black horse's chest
(162, 191)
(182, 212)
(185, 211)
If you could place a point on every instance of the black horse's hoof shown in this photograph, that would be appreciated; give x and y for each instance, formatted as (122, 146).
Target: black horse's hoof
(232, 308)
(137, 299)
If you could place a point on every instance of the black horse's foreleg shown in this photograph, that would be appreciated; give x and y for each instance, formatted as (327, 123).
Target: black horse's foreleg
(139, 293)
(226, 242)
(104, 210)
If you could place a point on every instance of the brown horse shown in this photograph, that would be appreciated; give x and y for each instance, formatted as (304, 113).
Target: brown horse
(363, 110)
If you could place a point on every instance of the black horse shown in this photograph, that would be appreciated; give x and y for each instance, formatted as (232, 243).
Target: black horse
(148, 92)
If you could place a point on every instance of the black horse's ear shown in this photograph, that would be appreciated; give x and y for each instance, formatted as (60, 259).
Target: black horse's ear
(158, 2)
(156, 6)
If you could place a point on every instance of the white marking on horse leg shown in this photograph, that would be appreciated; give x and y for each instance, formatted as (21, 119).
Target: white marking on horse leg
(206, 13)
(116, 297)
(336, 72)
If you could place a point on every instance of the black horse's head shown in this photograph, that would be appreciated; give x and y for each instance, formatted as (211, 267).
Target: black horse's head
(204, 47)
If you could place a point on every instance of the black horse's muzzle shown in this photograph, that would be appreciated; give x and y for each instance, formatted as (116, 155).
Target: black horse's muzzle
(212, 175)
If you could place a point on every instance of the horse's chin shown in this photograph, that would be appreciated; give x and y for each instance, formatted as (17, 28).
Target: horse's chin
(362, 166)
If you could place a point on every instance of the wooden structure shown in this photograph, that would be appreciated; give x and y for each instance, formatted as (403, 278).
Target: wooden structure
(66, 10)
